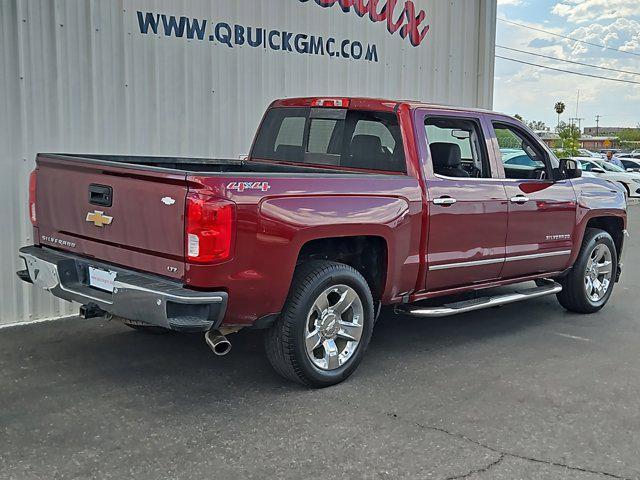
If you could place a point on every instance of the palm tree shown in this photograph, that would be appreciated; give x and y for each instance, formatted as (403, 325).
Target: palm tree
(560, 108)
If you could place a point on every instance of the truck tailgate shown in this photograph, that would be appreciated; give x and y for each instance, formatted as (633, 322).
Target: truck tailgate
(127, 216)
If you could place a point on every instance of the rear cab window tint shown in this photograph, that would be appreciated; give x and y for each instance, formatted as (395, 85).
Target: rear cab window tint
(326, 136)
(291, 132)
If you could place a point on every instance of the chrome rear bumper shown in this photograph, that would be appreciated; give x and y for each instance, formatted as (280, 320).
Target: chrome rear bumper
(136, 296)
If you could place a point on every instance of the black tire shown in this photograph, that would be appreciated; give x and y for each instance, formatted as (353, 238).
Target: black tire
(150, 329)
(573, 296)
(285, 340)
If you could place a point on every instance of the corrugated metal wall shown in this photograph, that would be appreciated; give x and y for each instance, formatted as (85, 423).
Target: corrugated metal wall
(79, 76)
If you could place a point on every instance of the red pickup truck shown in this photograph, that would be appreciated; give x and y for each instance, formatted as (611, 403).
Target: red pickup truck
(343, 205)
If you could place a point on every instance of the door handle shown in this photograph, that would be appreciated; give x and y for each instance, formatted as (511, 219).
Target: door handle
(445, 201)
(101, 195)
(519, 199)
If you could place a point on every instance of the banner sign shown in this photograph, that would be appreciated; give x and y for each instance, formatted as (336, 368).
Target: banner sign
(397, 16)
(406, 20)
(257, 37)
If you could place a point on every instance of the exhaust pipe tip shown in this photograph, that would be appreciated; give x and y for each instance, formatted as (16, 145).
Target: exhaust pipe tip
(218, 343)
(222, 348)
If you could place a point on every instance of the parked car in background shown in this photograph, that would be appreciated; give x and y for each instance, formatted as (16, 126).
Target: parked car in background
(517, 157)
(588, 153)
(594, 168)
(631, 163)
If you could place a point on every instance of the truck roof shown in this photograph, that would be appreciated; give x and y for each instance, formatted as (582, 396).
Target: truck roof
(365, 103)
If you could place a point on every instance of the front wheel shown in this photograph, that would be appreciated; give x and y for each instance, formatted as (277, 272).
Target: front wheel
(590, 284)
(325, 327)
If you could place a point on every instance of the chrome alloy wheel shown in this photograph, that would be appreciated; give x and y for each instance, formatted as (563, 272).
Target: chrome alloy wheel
(334, 327)
(599, 272)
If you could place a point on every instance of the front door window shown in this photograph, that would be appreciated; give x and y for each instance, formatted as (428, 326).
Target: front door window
(522, 158)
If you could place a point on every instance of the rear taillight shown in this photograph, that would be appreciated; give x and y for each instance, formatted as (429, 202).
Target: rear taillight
(210, 228)
(32, 197)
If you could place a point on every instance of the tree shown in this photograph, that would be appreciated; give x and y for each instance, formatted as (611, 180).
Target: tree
(629, 138)
(517, 116)
(570, 138)
(561, 126)
(507, 139)
(538, 126)
(560, 107)
(629, 135)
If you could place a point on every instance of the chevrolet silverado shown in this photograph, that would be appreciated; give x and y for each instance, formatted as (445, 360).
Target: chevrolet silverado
(343, 205)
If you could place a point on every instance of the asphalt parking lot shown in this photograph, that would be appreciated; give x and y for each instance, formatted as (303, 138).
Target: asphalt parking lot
(526, 391)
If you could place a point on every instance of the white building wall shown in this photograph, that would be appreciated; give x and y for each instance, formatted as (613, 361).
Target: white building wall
(78, 76)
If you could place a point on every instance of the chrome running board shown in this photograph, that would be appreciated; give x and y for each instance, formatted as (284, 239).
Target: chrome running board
(480, 303)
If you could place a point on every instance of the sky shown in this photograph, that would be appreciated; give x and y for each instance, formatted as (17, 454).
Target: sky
(532, 91)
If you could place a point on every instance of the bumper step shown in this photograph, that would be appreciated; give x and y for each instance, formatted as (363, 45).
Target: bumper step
(549, 288)
(24, 276)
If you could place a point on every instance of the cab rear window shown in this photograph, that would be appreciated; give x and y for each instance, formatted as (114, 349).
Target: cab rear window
(330, 136)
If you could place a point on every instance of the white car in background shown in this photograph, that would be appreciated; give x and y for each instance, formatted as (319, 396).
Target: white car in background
(589, 154)
(631, 164)
(603, 169)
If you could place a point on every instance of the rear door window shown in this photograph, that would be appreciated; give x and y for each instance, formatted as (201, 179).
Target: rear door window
(457, 147)
(326, 136)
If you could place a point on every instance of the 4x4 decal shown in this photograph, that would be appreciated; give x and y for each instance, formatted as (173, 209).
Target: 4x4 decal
(242, 186)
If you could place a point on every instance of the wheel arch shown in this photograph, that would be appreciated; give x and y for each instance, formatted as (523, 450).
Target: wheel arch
(368, 254)
(613, 225)
(626, 187)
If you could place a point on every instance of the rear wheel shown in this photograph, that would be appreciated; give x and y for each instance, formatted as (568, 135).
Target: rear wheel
(325, 327)
(589, 285)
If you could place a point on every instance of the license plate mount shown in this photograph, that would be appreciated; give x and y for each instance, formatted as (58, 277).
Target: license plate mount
(102, 279)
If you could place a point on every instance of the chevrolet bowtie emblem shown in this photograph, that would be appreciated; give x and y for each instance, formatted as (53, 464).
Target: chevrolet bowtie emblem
(99, 219)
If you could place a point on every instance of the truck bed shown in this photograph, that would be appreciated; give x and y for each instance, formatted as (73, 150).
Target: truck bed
(198, 165)
(130, 210)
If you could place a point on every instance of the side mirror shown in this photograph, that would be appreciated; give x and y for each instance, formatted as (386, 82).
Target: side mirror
(598, 170)
(570, 169)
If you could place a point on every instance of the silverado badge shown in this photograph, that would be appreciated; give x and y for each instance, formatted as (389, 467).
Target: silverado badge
(99, 219)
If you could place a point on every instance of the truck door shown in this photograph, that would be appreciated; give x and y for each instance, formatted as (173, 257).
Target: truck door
(467, 223)
(542, 211)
